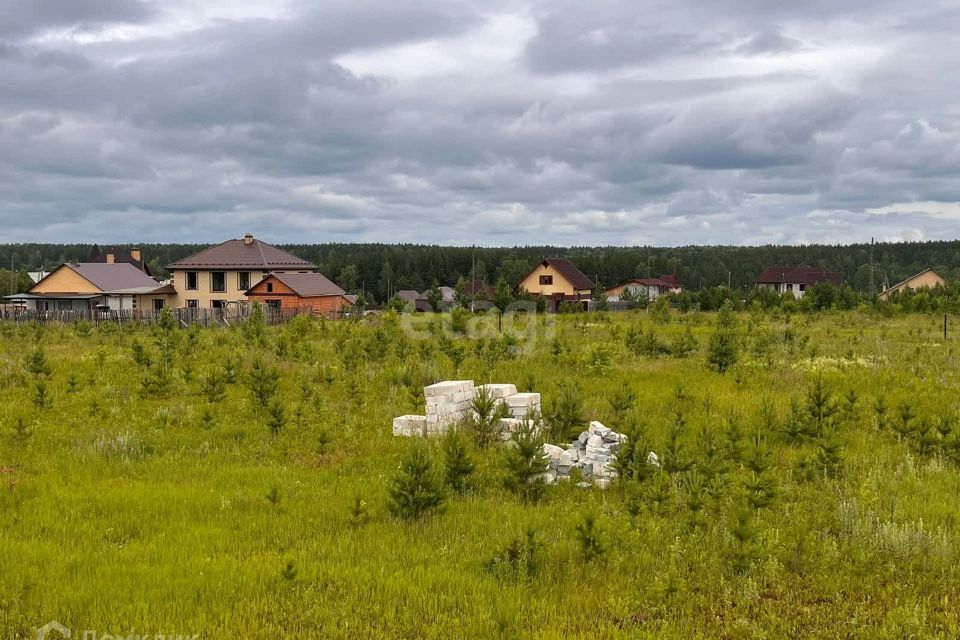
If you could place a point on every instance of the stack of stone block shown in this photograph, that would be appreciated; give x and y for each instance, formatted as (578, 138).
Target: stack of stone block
(448, 403)
(593, 453)
(451, 401)
(523, 404)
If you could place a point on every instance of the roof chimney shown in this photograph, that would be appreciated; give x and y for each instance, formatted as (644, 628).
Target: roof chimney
(110, 257)
(135, 254)
(248, 239)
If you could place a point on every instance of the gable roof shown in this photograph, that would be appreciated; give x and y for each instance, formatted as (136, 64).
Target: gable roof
(237, 254)
(907, 281)
(307, 285)
(568, 270)
(110, 278)
(408, 295)
(798, 275)
(647, 282)
(478, 286)
(119, 255)
(672, 280)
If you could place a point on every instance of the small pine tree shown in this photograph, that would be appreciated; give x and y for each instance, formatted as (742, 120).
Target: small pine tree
(487, 413)
(744, 549)
(264, 382)
(276, 416)
(457, 465)
(416, 489)
(435, 297)
(588, 537)
(254, 329)
(724, 346)
(37, 363)
(566, 413)
(525, 462)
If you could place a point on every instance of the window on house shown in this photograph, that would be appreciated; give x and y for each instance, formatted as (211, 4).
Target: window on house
(217, 304)
(243, 280)
(158, 304)
(803, 287)
(192, 280)
(193, 304)
(546, 279)
(273, 304)
(218, 281)
(269, 287)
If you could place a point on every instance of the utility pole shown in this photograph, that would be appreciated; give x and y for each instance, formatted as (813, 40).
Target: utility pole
(870, 287)
(473, 276)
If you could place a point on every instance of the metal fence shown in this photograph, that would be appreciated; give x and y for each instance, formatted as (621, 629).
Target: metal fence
(185, 317)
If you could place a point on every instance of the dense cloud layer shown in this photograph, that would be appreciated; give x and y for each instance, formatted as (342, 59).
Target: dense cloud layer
(490, 123)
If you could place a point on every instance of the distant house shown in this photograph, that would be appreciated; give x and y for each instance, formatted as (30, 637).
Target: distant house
(653, 288)
(558, 280)
(92, 286)
(673, 282)
(37, 276)
(221, 276)
(926, 279)
(796, 280)
(117, 255)
(479, 289)
(302, 292)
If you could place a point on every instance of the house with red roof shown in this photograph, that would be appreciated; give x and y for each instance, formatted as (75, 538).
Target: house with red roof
(796, 280)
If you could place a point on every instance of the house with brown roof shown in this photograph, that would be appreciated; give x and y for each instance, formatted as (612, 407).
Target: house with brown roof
(95, 286)
(652, 288)
(300, 292)
(796, 280)
(673, 281)
(926, 279)
(220, 276)
(558, 280)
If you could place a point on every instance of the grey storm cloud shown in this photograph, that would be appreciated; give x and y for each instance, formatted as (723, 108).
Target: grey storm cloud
(466, 122)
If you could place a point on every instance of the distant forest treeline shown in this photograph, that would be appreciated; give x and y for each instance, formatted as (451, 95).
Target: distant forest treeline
(381, 269)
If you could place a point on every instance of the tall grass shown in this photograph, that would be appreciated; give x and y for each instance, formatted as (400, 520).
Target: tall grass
(134, 502)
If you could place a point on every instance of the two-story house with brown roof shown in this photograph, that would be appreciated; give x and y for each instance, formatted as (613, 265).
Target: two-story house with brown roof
(221, 275)
(558, 280)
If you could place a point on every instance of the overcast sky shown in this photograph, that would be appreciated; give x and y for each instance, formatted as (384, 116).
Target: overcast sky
(497, 123)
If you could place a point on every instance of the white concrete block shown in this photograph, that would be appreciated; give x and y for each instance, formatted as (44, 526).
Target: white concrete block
(498, 390)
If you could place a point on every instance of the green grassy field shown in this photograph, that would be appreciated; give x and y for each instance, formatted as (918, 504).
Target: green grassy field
(145, 489)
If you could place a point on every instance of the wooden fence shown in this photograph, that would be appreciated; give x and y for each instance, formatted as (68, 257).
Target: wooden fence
(185, 317)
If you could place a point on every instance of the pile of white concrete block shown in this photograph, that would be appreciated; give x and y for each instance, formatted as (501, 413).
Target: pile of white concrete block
(592, 453)
(451, 401)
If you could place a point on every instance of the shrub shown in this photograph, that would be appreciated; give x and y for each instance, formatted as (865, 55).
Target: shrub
(519, 560)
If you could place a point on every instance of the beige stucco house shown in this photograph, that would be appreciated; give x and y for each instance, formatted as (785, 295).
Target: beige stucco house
(926, 279)
(93, 286)
(221, 275)
(559, 280)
